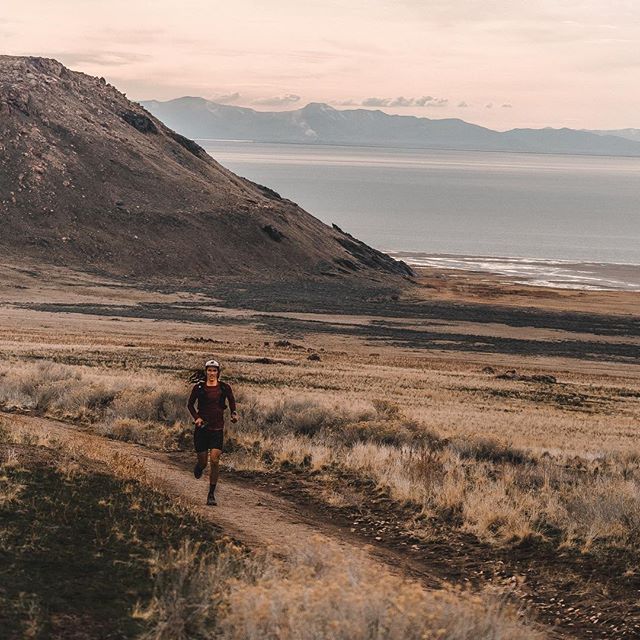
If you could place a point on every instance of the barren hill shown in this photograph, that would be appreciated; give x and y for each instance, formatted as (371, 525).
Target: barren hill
(91, 180)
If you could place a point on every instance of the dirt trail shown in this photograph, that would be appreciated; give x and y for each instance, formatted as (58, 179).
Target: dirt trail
(259, 517)
(253, 516)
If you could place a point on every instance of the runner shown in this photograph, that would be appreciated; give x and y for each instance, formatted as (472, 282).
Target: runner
(211, 396)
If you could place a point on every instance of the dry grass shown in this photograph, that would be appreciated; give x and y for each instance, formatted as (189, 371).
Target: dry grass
(492, 489)
(148, 409)
(505, 459)
(315, 593)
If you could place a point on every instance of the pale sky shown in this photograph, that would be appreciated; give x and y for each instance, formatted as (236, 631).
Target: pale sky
(499, 63)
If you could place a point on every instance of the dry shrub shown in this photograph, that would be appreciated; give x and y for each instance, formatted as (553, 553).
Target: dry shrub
(80, 399)
(34, 386)
(151, 402)
(190, 585)
(346, 426)
(318, 593)
(489, 488)
(127, 429)
(604, 511)
(149, 409)
(149, 434)
(32, 615)
(386, 432)
(299, 416)
(80, 391)
(387, 410)
(9, 490)
(495, 512)
(488, 450)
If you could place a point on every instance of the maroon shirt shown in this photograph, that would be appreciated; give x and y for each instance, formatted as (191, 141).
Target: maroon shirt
(210, 407)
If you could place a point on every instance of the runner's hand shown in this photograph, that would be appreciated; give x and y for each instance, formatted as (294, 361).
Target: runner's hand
(234, 417)
(199, 422)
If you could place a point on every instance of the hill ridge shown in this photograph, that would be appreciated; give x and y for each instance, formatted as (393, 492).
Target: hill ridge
(91, 180)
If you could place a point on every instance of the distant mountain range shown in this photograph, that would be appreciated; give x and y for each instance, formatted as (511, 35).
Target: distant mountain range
(320, 123)
(630, 134)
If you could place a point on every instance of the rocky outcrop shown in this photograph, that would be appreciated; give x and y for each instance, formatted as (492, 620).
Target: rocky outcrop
(91, 180)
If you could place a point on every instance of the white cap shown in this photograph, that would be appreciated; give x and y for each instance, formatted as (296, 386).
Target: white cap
(211, 363)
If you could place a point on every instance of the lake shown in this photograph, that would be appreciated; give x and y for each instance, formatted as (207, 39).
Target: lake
(554, 209)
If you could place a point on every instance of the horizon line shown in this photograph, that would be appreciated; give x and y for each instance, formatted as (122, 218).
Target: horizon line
(374, 109)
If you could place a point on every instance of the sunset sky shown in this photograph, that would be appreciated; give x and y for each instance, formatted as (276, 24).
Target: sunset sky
(500, 63)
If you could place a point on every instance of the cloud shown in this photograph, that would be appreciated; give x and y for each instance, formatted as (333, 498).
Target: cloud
(463, 104)
(277, 101)
(507, 106)
(375, 102)
(489, 105)
(430, 101)
(401, 101)
(97, 58)
(227, 99)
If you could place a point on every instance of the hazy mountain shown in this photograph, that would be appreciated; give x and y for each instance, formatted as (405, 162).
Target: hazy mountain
(629, 134)
(89, 179)
(321, 123)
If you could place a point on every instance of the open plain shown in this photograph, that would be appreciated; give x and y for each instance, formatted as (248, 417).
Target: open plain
(467, 431)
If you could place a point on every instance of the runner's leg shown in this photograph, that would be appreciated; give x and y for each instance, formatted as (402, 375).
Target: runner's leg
(214, 455)
(214, 471)
(202, 453)
(203, 457)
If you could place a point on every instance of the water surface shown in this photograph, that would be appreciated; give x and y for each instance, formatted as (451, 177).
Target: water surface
(515, 205)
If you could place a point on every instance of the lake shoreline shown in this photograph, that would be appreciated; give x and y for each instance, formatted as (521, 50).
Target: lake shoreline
(539, 272)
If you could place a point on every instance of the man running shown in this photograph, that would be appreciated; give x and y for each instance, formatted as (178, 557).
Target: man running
(211, 396)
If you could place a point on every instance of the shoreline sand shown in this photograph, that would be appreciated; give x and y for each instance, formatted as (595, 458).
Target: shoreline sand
(539, 272)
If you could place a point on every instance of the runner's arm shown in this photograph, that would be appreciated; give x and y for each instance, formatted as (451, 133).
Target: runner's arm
(191, 405)
(232, 403)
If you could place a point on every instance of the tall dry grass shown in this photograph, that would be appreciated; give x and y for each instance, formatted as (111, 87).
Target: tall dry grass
(316, 593)
(143, 407)
(221, 591)
(489, 488)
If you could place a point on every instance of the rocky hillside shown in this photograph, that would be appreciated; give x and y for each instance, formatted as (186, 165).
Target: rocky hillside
(91, 180)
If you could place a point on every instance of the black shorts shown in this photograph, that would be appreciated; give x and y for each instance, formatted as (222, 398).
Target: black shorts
(204, 440)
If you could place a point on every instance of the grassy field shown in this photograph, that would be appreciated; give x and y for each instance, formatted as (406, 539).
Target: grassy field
(91, 550)
(497, 490)
(78, 541)
(511, 446)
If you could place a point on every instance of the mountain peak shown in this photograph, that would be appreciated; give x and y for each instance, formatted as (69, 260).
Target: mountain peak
(318, 106)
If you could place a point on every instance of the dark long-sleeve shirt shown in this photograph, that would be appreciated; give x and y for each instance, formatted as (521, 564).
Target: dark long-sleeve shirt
(210, 404)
